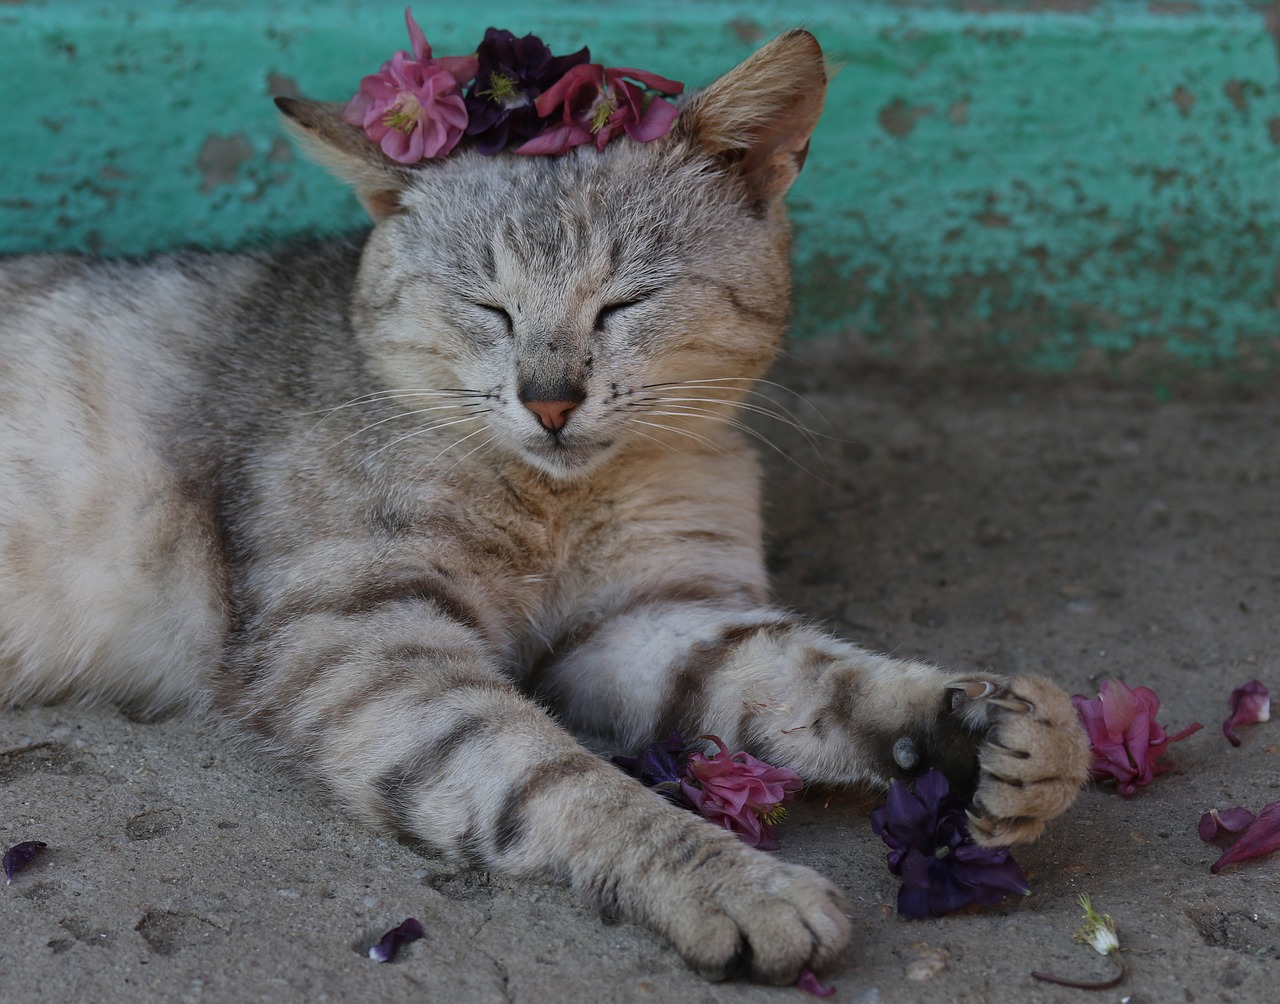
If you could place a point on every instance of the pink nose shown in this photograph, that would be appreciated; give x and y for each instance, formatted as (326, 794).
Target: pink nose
(552, 414)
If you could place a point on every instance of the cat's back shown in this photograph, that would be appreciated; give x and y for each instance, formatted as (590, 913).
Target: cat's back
(99, 363)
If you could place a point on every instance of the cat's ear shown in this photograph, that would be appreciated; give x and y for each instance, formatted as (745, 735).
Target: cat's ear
(760, 115)
(347, 152)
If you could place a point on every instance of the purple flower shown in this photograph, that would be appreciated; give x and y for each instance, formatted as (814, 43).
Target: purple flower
(596, 104)
(1259, 836)
(513, 73)
(413, 107)
(1124, 737)
(1249, 704)
(386, 949)
(740, 793)
(660, 765)
(20, 856)
(942, 869)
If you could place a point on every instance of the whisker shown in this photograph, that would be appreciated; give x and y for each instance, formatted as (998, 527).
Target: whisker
(697, 438)
(425, 430)
(710, 415)
(408, 414)
(786, 418)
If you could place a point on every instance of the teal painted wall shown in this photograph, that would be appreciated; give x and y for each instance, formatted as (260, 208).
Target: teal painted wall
(1049, 184)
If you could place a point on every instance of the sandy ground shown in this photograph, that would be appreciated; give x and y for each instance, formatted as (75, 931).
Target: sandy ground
(1065, 528)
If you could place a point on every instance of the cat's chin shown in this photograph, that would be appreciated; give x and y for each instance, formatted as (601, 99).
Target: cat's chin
(569, 463)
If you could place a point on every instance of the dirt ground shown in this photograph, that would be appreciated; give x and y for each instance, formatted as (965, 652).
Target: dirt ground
(1011, 523)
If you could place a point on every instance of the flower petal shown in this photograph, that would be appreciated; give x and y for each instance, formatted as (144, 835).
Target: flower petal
(1215, 824)
(386, 949)
(1262, 836)
(20, 856)
(1249, 704)
(808, 982)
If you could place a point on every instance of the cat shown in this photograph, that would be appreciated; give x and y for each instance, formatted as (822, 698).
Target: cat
(408, 507)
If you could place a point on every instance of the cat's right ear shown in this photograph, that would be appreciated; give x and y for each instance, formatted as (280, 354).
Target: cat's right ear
(347, 152)
(759, 116)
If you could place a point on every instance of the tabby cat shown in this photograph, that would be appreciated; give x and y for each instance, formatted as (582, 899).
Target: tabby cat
(409, 507)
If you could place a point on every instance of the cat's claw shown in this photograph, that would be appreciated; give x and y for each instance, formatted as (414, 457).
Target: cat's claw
(1032, 761)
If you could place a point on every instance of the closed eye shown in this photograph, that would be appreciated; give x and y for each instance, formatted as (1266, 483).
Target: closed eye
(499, 314)
(613, 309)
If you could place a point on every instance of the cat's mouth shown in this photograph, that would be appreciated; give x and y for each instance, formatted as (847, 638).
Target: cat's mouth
(567, 457)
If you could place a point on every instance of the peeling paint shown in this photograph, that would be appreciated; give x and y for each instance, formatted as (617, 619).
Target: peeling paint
(221, 158)
(1052, 185)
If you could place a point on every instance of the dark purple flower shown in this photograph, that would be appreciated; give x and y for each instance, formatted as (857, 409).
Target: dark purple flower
(1124, 737)
(513, 74)
(1215, 824)
(809, 983)
(385, 950)
(1261, 836)
(740, 793)
(593, 105)
(20, 856)
(1249, 704)
(942, 869)
(660, 765)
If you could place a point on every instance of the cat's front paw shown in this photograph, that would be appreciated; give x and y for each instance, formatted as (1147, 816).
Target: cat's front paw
(1032, 762)
(741, 911)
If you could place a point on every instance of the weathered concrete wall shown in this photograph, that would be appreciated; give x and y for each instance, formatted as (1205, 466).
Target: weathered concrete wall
(1054, 185)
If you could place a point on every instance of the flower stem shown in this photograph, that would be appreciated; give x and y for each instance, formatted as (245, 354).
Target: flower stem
(1077, 985)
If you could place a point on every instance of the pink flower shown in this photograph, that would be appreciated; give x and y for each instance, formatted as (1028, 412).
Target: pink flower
(413, 107)
(1249, 704)
(1261, 835)
(1125, 739)
(597, 104)
(740, 793)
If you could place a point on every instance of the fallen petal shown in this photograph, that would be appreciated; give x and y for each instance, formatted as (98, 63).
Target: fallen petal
(1262, 836)
(808, 982)
(1215, 824)
(1250, 704)
(19, 856)
(385, 950)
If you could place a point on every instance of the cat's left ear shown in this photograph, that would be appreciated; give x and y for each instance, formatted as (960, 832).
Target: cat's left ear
(759, 116)
(347, 152)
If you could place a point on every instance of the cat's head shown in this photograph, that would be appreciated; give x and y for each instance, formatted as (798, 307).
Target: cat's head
(592, 299)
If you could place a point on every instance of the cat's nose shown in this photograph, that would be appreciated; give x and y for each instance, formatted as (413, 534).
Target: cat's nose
(552, 414)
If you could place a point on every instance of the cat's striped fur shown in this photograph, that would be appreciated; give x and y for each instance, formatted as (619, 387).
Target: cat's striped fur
(384, 503)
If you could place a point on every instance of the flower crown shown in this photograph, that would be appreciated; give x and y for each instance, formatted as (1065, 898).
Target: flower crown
(518, 95)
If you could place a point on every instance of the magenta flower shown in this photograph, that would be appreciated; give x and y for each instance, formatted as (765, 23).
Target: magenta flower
(808, 982)
(1215, 824)
(1124, 737)
(942, 868)
(1258, 836)
(413, 107)
(596, 104)
(1250, 704)
(740, 793)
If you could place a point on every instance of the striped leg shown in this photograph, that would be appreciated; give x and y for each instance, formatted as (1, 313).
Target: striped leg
(399, 710)
(764, 680)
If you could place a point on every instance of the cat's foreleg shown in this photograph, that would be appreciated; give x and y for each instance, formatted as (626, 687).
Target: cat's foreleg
(766, 681)
(403, 715)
